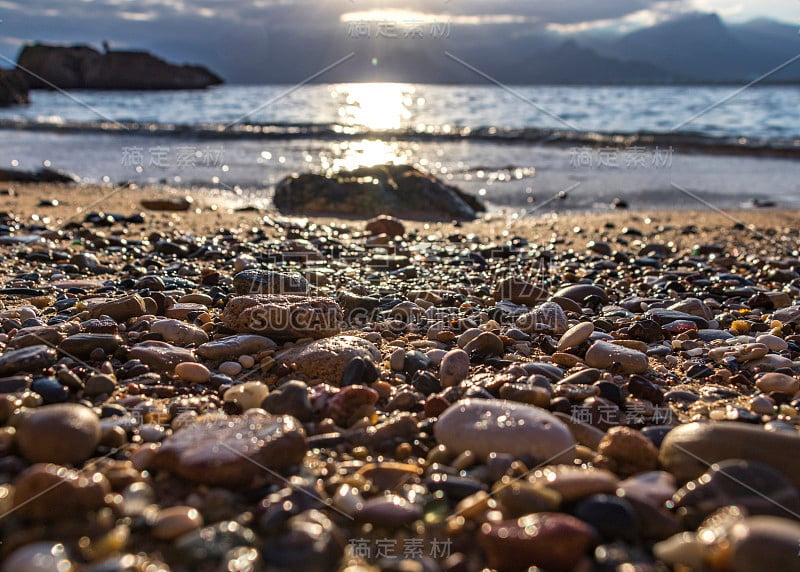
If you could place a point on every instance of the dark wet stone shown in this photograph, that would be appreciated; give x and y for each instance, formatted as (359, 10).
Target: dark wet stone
(584, 377)
(610, 391)
(212, 543)
(664, 316)
(758, 488)
(680, 396)
(711, 335)
(31, 359)
(227, 451)
(257, 282)
(613, 517)
(641, 387)
(580, 292)
(82, 345)
(453, 487)
(291, 398)
(50, 390)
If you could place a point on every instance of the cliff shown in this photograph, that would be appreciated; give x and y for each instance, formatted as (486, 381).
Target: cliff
(83, 67)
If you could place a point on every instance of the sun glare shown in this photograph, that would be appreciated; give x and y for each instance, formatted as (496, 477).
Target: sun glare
(390, 15)
(376, 106)
(367, 153)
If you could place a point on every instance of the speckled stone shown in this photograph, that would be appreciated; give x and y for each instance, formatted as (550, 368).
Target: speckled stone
(226, 451)
(327, 359)
(486, 426)
(283, 317)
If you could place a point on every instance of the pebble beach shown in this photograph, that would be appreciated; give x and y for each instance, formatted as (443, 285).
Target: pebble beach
(189, 385)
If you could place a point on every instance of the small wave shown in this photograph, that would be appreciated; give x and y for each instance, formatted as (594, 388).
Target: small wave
(687, 142)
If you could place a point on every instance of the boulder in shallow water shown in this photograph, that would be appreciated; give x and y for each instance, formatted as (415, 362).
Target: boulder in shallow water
(396, 190)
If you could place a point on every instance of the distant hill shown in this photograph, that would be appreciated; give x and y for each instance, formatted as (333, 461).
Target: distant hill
(571, 64)
(701, 47)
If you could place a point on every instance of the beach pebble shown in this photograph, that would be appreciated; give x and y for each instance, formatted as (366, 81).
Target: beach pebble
(166, 203)
(387, 225)
(498, 426)
(327, 359)
(764, 543)
(574, 483)
(694, 307)
(283, 317)
(98, 384)
(248, 395)
(655, 487)
(257, 282)
(486, 343)
(467, 337)
(575, 336)
(39, 557)
(688, 449)
(629, 450)
(551, 541)
(64, 433)
(753, 486)
(579, 293)
(778, 383)
(291, 398)
(603, 354)
(121, 309)
(613, 517)
(762, 405)
(549, 314)
(388, 511)
(519, 291)
(30, 359)
(82, 345)
(161, 356)
(47, 492)
(227, 451)
(175, 521)
(230, 368)
(193, 372)
(774, 343)
(233, 347)
(51, 390)
(178, 332)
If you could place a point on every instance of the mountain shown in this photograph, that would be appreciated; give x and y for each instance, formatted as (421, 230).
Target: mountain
(571, 64)
(701, 47)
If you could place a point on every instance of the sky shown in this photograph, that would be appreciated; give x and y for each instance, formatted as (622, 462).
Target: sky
(209, 31)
